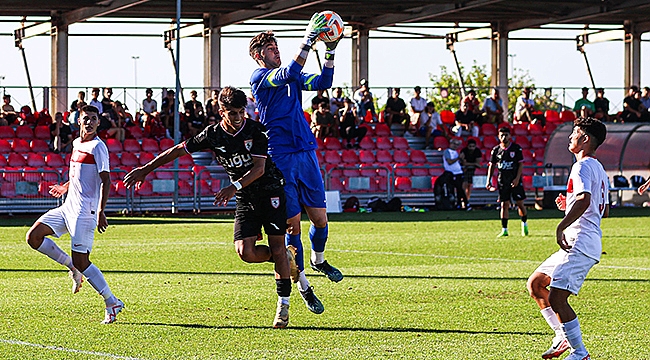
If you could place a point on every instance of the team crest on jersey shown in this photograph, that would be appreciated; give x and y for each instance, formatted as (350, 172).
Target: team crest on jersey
(512, 154)
(248, 144)
(275, 202)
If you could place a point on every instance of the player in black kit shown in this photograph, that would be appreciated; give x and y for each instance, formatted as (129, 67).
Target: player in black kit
(240, 146)
(508, 158)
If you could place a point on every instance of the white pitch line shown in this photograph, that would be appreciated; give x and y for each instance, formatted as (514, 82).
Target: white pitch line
(59, 348)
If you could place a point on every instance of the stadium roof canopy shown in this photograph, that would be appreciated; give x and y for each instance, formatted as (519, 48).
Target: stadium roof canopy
(369, 14)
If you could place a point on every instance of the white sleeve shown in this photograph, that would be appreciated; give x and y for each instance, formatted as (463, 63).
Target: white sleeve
(101, 157)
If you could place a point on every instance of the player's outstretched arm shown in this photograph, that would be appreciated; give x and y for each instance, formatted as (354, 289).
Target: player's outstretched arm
(317, 24)
(137, 175)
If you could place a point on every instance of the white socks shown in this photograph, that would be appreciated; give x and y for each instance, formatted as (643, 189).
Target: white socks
(303, 283)
(54, 252)
(552, 320)
(574, 336)
(317, 257)
(97, 281)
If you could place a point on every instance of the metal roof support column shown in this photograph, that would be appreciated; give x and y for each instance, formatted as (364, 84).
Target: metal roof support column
(632, 55)
(211, 54)
(500, 63)
(359, 55)
(59, 93)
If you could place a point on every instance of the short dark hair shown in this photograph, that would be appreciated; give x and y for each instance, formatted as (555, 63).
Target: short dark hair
(471, 142)
(592, 127)
(232, 97)
(504, 129)
(259, 41)
(6, 96)
(635, 88)
(585, 89)
(148, 91)
(95, 90)
(90, 108)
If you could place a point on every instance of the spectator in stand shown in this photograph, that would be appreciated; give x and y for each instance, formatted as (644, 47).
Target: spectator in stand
(601, 105)
(44, 118)
(149, 106)
(645, 101)
(73, 119)
(365, 101)
(336, 103)
(60, 135)
(468, 118)
(81, 97)
(251, 108)
(26, 117)
(417, 107)
(583, 106)
(154, 127)
(631, 106)
(470, 159)
(395, 111)
(432, 125)
(451, 163)
(318, 99)
(108, 128)
(167, 109)
(8, 115)
(123, 117)
(107, 103)
(524, 107)
(349, 126)
(493, 108)
(194, 114)
(212, 106)
(322, 121)
(94, 101)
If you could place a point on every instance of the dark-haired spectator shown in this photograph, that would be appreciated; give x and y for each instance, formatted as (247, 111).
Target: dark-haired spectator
(43, 118)
(322, 121)
(451, 163)
(149, 104)
(60, 135)
(583, 107)
(469, 116)
(431, 124)
(123, 117)
(645, 97)
(167, 109)
(417, 106)
(108, 128)
(601, 104)
(493, 107)
(94, 101)
(194, 114)
(349, 124)
(631, 106)
(212, 105)
(107, 103)
(81, 97)
(395, 111)
(8, 115)
(470, 159)
(318, 99)
(336, 103)
(27, 117)
(365, 101)
(524, 107)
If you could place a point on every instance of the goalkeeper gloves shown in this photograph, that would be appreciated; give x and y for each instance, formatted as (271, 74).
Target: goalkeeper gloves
(317, 25)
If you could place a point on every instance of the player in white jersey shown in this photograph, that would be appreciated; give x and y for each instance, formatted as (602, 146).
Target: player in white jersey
(579, 237)
(81, 213)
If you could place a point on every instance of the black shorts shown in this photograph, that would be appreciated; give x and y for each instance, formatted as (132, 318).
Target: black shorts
(469, 175)
(508, 193)
(266, 210)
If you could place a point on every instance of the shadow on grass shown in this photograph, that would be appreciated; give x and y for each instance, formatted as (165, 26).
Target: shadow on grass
(233, 273)
(341, 328)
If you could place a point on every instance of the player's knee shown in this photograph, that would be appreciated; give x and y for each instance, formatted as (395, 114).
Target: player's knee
(246, 255)
(33, 240)
(533, 287)
(80, 263)
(293, 226)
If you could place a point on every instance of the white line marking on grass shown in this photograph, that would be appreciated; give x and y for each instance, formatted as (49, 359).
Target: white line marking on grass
(59, 348)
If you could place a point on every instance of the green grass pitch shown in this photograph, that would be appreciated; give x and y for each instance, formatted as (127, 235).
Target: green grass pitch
(434, 285)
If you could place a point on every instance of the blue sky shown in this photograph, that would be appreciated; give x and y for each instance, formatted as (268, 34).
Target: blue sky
(107, 61)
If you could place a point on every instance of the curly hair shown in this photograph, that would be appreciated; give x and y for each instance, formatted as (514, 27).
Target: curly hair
(259, 41)
(593, 127)
(232, 97)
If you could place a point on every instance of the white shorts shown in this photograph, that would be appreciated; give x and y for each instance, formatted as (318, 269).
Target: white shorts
(81, 229)
(567, 270)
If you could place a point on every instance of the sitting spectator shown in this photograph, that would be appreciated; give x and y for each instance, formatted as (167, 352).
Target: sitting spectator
(524, 107)
(94, 101)
(108, 128)
(468, 118)
(149, 106)
(322, 121)
(154, 127)
(73, 118)
(493, 107)
(194, 114)
(44, 118)
(365, 101)
(107, 103)
(451, 163)
(336, 103)
(212, 106)
(167, 110)
(8, 115)
(601, 105)
(645, 101)
(431, 124)
(60, 135)
(349, 126)
(251, 108)
(470, 159)
(631, 106)
(319, 98)
(81, 96)
(123, 117)
(417, 107)
(395, 111)
(584, 107)
(26, 117)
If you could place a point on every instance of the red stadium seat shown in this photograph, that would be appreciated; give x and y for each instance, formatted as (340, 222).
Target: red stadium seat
(403, 183)
(3, 161)
(136, 132)
(335, 183)
(204, 188)
(488, 129)
(549, 128)
(8, 190)
(551, 116)
(185, 175)
(539, 154)
(523, 142)
(350, 172)
(5, 146)
(535, 129)
(16, 160)
(383, 142)
(114, 145)
(382, 183)
(567, 115)
(145, 157)
(129, 159)
(184, 188)
(366, 157)
(24, 132)
(320, 143)
(307, 117)
(13, 175)
(215, 186)
(7, 132)
(145, 189)
(120, 189)
(113, 159)
(527, 181)
(44, 188)
(42, 132)
(31, 174)
(528, 168)
(367, 170)
(367, 143)
(420, 171)
(319, 157)
(350, 157)
(332, 157)
(383, 156)
(185, 161)
(402, 170)
(20, 146)
(418, 156)
(150, 145)
(447, 117)
(165, 175)
(35, 160)
(332, 170)
(166, 143)
(50, 174)
(118, 175)
(382, 129)
(528, 155)
(538, 142)
(520, 130)
(332, 143)
(401, 156)
(370, 131)
(489, 142)
(38, 145)
(440, 143)
(202, 172)
(131, 145)
(400, 143)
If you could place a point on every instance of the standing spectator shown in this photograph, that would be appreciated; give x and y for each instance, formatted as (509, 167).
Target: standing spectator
(212, 106)
(194, 114)
(60, 135)
(493, 107)
(524, 107)
(468, 117)
(631, 106)
(94, 101)
(583, 106)
(601, 104)
(395, 111)
(251, 108)
(507, 158)
(322, 122)
(365, 101)
(431, 124)
(349, 125)
(336, 103)
(451, 163)
(417, 106)
(318, 99)
(8, 115)
(81, 96)
(470, 158)
(107, 103)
